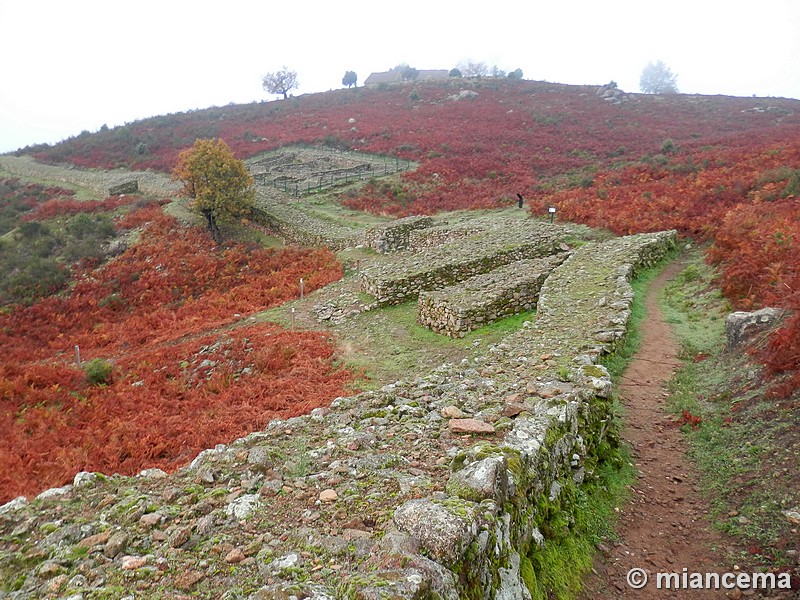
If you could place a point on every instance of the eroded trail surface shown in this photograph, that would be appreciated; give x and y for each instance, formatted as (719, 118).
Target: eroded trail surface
(663, 528)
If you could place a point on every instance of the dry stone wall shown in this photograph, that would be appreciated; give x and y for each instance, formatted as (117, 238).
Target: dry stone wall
(297, 226)
(442, 487)
(483, 299)
(405, 278)
(395, 236)
(420, 239)
(99, 181)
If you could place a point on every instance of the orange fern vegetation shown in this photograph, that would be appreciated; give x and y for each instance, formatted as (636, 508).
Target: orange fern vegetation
(182, 375)
(745, 201)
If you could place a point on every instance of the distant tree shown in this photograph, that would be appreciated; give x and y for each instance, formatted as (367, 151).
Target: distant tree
(406, 72)
(497, 71)
(350, 78)
(454, 73)
(515, 74)
(658, 79)
(282, 82)
(218, 183)
(473, 69)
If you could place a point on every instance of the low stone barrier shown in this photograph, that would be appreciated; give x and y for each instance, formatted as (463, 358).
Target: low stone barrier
(406, 277)
(99, 181)
(483, 299)
(296, 226)
(420, 239)
(394, 236)
(444, 487)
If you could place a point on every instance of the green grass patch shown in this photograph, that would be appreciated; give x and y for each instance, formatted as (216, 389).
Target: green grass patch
(325, 206)
(388, 344)
(81, 193)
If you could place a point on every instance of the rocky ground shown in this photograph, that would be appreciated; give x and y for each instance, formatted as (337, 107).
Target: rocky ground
(326, 505)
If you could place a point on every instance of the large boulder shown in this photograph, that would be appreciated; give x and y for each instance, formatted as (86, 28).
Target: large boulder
(740, 327)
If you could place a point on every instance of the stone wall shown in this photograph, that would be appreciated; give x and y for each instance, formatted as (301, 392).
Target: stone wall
(394, 236)
(483, 299)
(410, 274)
(420, 239)
(442, 487)
(298, 227)
(99, 181)
(127, 187)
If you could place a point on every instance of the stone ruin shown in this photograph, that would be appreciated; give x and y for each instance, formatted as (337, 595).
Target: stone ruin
(439, 487)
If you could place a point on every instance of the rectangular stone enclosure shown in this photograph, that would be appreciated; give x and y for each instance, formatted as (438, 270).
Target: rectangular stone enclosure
(408, 276)
(482, 299)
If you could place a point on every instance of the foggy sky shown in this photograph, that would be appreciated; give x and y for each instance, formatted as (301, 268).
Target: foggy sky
(73, 66)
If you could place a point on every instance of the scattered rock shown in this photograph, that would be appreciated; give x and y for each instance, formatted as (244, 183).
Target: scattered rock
(243, 506)
(740, 327)
(184, 581)
(443, 534)
(180, 536)
(514, 409)
(474, 426)
(95, 540)
(328, 495)
(235, 556)
(151, 519)
(453, 412)
(152, 474)
(793, 516)
(131, 563)
(483, 480)
(115, 544)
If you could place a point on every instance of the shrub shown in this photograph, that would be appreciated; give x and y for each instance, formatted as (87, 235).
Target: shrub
(36, 278)
(98, 371)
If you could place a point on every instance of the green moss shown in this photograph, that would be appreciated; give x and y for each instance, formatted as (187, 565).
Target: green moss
(459, 462)
(485, 450)
(560, 566)
(556, 570)
(528, 573)
(593, 371)
(553, 435)
(48, 528)
(77, 552)
(16, 584)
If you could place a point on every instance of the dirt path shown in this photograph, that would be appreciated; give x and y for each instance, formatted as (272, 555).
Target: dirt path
(663, 528)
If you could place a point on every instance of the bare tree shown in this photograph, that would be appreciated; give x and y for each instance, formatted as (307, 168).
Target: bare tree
(658, 79)
(282, 82)
(407, 73)
(470, 68)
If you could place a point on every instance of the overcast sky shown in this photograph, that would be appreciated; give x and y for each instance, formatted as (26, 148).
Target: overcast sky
(73, 65)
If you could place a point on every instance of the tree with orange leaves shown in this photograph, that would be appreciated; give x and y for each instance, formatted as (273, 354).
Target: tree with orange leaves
(217, 182)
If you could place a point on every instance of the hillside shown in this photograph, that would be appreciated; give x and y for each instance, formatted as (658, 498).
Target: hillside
(147, 345)
(720, 168)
